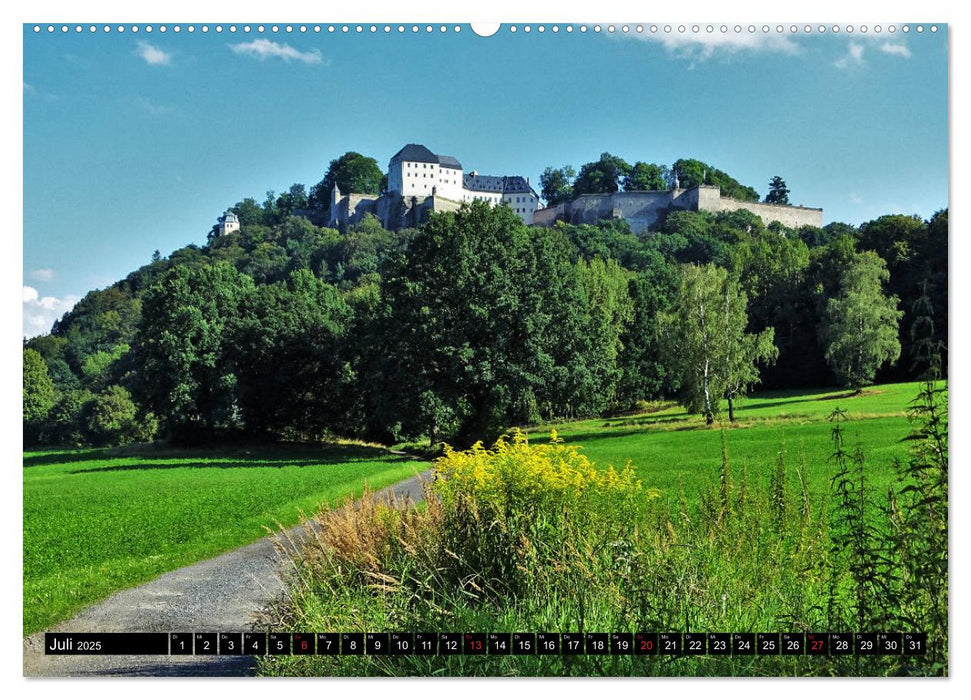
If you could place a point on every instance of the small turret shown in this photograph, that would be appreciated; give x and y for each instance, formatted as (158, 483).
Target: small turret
(228, 223)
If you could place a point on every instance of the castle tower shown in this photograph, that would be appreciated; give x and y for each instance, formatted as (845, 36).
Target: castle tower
(228, 223)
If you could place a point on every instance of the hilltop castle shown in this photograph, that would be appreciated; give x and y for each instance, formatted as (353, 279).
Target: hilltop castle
(421, 182)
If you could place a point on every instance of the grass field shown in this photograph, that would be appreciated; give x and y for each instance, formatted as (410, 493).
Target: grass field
(673, 449)
(96, 522)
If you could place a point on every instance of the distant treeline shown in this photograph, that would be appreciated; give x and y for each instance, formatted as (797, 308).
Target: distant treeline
(475, 322)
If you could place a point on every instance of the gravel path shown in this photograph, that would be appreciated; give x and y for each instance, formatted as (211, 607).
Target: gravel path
(223, 594)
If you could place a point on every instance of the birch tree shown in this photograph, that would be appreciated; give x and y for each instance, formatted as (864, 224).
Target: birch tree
(707, 345)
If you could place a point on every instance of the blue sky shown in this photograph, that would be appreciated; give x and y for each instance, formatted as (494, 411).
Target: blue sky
(137, 141)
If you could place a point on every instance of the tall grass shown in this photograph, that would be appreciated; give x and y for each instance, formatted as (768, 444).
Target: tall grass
(531, 537)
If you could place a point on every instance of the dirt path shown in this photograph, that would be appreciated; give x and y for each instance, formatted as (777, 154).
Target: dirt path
(223, 594)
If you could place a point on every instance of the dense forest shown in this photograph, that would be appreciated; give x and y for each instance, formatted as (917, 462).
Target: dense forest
(474, 322)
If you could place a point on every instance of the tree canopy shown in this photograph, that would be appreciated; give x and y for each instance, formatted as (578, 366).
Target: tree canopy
(351, 172)
(645, 176)
(602, 176)
(860, 325)
(692, 173)
(557, 184)
(184, 377)
(778, 192)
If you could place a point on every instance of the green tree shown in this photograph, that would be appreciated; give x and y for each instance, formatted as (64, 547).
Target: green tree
(706, 342)
(608, 311)
(286, 353)
(352, 172)
(692, 173)
(363, 250)
(778, 192)
(249, 212)
(927, 349)
(99, 322)
(693, 237)
(484, 327)
(180, 347)
(602, 176)
(96, 369)
(291, 200)
(52, 348)
(904, 243)
(65, 424)
(39, 394)
(860, 325)
(772, 271)
(557, 184)
(644, 374)
(111, 418)
(645, 176)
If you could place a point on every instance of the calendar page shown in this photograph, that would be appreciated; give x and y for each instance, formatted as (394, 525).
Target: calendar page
(535, 349)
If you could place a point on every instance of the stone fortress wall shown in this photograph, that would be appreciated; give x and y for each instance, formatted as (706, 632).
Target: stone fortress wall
(394, 212)
(642, 210)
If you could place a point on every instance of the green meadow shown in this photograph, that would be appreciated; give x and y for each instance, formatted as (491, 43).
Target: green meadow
(99, 520)
(675, 451)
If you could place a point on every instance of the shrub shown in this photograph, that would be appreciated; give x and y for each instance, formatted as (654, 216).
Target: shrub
(65, 425)
(112, 419)
(515, 510)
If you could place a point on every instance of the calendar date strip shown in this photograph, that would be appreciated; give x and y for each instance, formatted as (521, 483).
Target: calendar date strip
(486, 643)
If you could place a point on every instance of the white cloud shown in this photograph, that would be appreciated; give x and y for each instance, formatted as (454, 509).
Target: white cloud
(43, 274)
(703, 45)
(895, 49)
(153, 55)
(856, 199)
(264, 48)
(853, 57)
(41, 312)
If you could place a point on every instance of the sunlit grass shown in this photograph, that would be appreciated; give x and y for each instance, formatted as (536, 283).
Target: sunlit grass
(99, 520)
(675, 451)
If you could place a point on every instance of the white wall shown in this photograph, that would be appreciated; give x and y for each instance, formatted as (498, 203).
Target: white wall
(524, 204)
(228, 227)
(450, 183)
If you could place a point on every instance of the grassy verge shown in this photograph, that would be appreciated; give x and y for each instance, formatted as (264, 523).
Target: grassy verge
(97, 520)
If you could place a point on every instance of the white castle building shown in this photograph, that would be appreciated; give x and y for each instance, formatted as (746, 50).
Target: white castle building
(415, 171)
